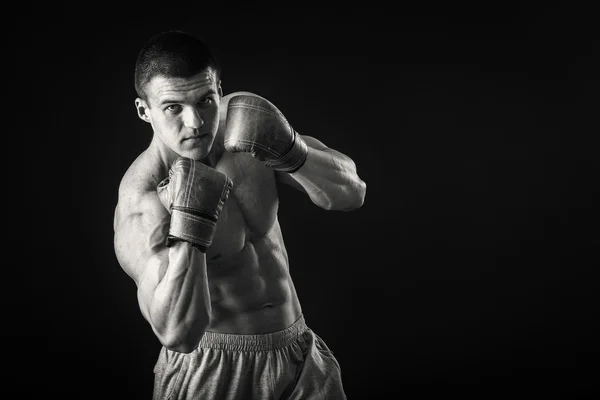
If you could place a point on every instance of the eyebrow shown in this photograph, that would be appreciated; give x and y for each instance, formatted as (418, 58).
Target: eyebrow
(174, 100)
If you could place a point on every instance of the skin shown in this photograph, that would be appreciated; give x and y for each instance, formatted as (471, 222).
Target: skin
(242, 284)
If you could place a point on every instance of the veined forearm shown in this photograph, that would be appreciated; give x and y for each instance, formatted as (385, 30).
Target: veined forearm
(180, 308)
(330, 180)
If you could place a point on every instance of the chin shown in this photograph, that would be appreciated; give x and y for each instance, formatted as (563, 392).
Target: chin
(197, 154)
(194, 154)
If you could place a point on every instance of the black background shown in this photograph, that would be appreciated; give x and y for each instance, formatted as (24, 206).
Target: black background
(474, 257)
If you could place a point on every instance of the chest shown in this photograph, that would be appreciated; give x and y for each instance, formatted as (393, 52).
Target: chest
(251, 209)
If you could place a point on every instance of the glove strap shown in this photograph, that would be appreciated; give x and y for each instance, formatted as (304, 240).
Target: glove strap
(191, 226)
(294, 158)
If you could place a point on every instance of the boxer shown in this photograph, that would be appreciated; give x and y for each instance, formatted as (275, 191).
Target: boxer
(196, 228)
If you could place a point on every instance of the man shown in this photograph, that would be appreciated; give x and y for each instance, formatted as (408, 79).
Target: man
(196, 228)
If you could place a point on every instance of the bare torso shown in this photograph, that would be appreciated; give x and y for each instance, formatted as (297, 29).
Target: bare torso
(250, 285)
(251, 289)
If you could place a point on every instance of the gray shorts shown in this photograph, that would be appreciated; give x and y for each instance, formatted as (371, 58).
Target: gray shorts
(293, 363)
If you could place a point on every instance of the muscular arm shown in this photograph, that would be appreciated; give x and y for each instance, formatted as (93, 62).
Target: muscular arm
(328, 177)
(173, 292)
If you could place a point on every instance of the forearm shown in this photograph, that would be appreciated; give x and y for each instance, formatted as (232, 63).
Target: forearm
(180, 307)
(330, 180)
(255, 125)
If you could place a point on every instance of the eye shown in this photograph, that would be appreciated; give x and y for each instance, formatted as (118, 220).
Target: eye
(173, 108)
(205, 101)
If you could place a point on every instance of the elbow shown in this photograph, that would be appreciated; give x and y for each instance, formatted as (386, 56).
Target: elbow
(347, 196)
(182, 347)
(359, 193)
(185, 338)
(353, 197)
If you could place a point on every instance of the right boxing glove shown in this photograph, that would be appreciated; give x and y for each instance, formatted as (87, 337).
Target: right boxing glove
(194, 194)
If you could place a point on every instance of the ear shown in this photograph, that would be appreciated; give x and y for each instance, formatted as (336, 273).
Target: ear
(220, 89)
(142, 109)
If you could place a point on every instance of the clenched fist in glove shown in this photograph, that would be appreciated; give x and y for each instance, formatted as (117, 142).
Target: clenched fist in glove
(256, 126)
(194, 194)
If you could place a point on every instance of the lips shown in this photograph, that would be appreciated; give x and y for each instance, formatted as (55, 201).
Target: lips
(194, 137)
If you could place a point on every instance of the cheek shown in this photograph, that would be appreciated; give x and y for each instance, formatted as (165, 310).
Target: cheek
(213, 118)
(167, 124)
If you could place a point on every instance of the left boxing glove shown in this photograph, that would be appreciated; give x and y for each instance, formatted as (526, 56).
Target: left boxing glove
(194, 194)
(254, 125)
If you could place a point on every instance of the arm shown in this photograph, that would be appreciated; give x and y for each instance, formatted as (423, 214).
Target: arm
(328, 177)
(172, 285)
(256, 126)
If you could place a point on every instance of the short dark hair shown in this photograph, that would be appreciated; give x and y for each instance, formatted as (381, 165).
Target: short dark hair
(172, 54)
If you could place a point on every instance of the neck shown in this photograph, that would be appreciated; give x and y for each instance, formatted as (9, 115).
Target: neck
(162, 155)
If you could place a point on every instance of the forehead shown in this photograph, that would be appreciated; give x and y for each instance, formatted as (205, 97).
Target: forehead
(161, 86)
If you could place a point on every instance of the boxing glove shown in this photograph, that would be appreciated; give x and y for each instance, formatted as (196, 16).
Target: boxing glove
(254, 125)
(194, 194)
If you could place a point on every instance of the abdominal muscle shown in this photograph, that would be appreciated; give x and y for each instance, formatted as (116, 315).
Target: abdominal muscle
(251, 290)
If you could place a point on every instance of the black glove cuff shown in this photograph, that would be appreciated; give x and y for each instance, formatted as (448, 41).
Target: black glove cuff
(191, 227)
(294, 158)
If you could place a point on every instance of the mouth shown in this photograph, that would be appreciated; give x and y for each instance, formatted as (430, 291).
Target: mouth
(197, 137)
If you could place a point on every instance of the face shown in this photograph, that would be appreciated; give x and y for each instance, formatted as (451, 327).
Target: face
(183, 112)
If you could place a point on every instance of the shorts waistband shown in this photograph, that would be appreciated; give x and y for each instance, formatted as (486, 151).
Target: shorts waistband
(264, 342)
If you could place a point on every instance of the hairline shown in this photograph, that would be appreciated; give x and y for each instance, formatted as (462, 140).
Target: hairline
(210, 68)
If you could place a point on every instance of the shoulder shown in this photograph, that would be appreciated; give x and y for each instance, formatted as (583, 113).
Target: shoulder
(140, 220)
(137, 188)
(142, 176)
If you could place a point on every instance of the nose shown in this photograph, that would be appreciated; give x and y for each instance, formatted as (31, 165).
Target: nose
(192, 118)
